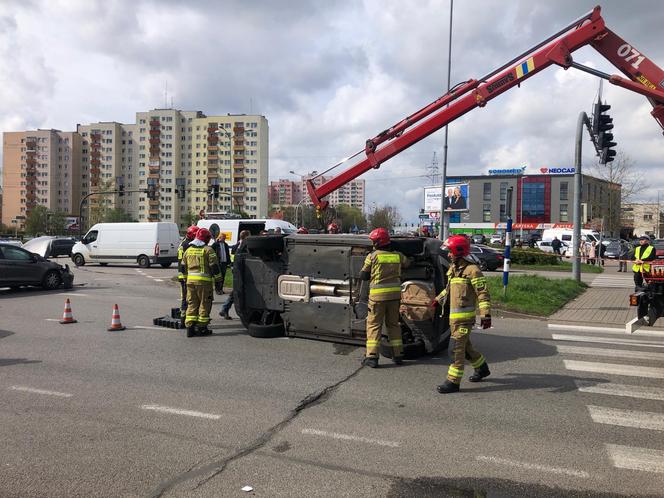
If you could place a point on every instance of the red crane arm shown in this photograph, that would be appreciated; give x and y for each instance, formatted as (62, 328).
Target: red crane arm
(590, 29)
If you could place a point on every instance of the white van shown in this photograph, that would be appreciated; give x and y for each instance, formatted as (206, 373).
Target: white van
(567, 235)
(232, 228)
(142, 243)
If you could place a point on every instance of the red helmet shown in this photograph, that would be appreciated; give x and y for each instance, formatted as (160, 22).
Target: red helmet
(302, 230)
(458, 245)
(380, 237)
(204, 235)
(191, 232)
(333, 228)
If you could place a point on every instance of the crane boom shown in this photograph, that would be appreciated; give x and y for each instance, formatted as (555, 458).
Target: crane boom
(643, 75)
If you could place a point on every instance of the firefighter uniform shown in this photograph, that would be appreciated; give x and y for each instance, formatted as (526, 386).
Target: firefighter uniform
(466, 289)
(644, 252)
(182, 277)
(203, 275)
(384, 270)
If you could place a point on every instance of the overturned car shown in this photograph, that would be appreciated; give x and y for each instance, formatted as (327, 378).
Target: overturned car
(309, 286)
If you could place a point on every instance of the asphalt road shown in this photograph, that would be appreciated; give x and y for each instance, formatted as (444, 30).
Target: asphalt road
(148, 412)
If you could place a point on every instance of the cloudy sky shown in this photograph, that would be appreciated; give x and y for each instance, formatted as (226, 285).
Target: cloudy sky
(327, 75)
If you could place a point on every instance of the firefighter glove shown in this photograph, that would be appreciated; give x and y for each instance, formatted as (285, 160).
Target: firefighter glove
(486, 322)
(434, 303)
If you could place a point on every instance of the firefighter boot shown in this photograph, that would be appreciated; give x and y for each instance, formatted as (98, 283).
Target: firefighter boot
(203, 330)
(448, 387)
(191, 330)
(370, 361)
(480, 373)
(397, 360)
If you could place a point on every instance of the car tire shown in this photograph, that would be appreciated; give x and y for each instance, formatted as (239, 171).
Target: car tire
(143, 261)
(52, 280)
(266, 331)
(78, 259)
(165, 265)
(411, 350)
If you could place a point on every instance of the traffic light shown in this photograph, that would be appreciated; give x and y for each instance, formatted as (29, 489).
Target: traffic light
(601, 122)
(119, 182)
(605, 146)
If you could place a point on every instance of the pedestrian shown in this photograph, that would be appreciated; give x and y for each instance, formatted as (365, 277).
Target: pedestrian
(223, 255)
(556, 245)
(239, 247)
(182, 278)
(466, 288)
(601, 249)
(382, 268)
(644, 252)
(203, 273)
(623, 256)
(592, 253)
(582, 251)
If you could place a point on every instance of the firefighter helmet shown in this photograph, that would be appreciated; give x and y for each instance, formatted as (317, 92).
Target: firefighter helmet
(191, 232)
(380, 237)
(204, 235)
(333, 228)
(458, 245)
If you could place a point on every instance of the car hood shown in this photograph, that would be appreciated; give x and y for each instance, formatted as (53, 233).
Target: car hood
(40, 246)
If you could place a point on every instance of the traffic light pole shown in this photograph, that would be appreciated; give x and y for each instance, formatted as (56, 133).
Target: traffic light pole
(576, 260)
(104, 192)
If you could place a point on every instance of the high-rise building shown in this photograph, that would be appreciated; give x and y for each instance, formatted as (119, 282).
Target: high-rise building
(40, 168)
(285, 193)
(352, 194)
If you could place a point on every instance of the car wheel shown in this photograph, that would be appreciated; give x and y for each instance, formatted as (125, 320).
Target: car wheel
(52, 280)
(78, 259)
(143, 261)
(266, 331)
(165, 265)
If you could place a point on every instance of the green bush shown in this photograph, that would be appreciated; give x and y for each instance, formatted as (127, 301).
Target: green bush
(533, 257)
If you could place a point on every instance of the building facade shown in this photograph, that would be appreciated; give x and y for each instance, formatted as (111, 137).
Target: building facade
(40, 168)
(284, 193)
(642, 219)
(352, 194)
(537, 200)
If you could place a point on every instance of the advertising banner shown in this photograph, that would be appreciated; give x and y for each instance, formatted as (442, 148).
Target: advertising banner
(456, 198)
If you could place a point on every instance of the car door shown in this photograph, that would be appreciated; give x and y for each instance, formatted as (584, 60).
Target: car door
(21, 266)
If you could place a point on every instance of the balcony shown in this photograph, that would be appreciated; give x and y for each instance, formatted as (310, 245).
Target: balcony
(213, 139)
(213, 163)
(155, 131)
(238, 201)
(239, 144)
(31, 145)
(155, 122)
(95, 145)
(95, 136)
(95, 171)
(212, 174)
(213, 148)
(212, 129)
(154, 204)
(154, 171)
(154, 176)
(237, 130)
(155, 140)
(95, 153)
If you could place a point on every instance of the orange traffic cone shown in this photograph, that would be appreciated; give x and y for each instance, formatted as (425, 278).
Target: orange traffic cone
(115, 320)
(67, 316)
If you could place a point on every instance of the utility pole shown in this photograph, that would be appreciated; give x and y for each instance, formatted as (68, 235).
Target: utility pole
(442, 231)
(576, 238)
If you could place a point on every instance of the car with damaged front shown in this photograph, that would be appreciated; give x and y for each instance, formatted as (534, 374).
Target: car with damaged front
(305, 285)
(19, 267)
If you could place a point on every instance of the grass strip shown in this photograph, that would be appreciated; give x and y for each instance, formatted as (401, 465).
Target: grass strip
(564, 266)
(532, 294)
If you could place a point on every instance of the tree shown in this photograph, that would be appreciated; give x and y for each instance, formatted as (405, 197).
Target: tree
(117, 215)
(57, 221)
(622, 175)
(36, 223)
(386, 217)
(348, 217)
(190, 218)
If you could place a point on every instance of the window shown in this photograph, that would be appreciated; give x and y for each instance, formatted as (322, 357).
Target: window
(533, 200)
(564, 216)
(564, 191)
(486, 210)
(503, 191)
(15, 254)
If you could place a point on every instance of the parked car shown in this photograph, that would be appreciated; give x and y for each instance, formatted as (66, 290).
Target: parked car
(545, 246)
(19, 267)
(478, 238)
(489, 257)
(11, 242)
(613, 248)
(658, 244)
(496, 238)
(50, 247)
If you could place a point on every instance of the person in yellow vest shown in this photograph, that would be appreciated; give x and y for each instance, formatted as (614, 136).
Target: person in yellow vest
(182, 278)
(466, 288)
(201, 267)
(382, 268)
(644, 252)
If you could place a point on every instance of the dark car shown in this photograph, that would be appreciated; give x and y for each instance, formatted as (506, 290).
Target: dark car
(490, 258)
(659, 248)
(49, 246)
(478, 238)
(19, 267)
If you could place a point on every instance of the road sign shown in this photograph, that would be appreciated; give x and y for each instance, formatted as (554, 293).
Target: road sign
(424, 216)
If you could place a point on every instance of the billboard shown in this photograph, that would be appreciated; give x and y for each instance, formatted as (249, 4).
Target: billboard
(455, 200)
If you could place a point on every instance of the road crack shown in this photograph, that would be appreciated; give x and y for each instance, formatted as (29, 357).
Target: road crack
(216, 467)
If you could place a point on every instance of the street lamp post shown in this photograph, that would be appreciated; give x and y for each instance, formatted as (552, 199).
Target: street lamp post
(299, 204)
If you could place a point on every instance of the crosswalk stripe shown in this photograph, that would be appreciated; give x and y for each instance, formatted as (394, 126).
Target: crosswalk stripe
(613, 281)
(627, 418)
(612, 353)
(628, 457)
(615, 369)
(605, 340)
(628, 391)
(604, 330)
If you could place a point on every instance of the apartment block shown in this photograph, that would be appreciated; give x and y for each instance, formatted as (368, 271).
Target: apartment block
(642, 219)
(40, 168)
(285, 193)
(351, 194)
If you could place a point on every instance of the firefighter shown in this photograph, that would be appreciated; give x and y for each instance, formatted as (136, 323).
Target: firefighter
(182, 278)
(644, 252)
(333, 228)
(382, 267)
(466, 288)
(203, 274)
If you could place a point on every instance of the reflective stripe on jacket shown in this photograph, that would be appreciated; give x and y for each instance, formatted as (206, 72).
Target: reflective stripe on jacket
(197, 263)
(466, 289)
(646, 255)
(385, 269)
(181, 249)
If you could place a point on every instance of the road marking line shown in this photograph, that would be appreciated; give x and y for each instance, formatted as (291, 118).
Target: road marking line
(52, 319)
(533, 466)
(628, 457)
(150, 276)
(605, 340)
(143, 327)
(178, 411)
(604, 330)
(628, 391)
(40, 391)
(613, 353)
(348, 437)
(158, 280)
(615, 369)
(627, 418)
